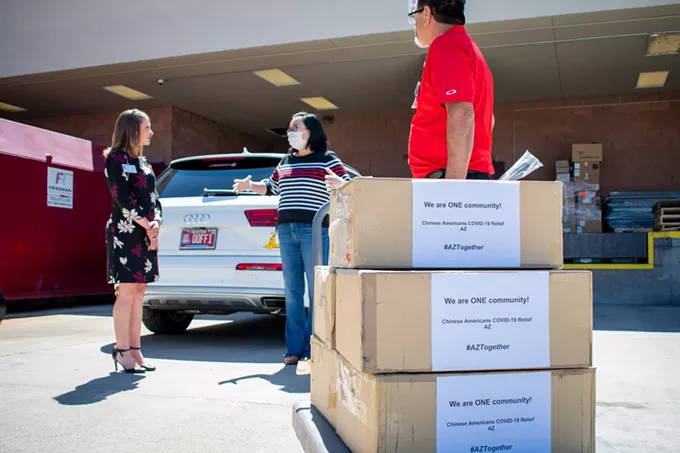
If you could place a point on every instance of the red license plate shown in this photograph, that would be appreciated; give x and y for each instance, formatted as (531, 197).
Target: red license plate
(198, 239)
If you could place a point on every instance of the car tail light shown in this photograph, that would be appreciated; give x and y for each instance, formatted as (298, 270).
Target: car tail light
(258, 267)
(262, 217)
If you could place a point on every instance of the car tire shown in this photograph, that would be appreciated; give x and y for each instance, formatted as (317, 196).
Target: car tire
(165, 321)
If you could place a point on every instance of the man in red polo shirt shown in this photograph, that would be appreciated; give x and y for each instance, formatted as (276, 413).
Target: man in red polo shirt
(451, 131)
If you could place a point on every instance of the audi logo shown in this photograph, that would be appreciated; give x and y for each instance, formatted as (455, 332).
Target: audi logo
(197, 219)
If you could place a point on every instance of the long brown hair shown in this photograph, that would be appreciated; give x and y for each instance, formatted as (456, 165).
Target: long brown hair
(126, 133)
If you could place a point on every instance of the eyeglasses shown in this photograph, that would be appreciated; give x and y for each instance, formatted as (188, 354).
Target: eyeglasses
(412, 15)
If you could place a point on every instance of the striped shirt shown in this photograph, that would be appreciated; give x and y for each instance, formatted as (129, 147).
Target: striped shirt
(301, 183)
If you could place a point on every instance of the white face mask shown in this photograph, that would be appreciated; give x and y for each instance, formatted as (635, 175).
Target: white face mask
(296, 141)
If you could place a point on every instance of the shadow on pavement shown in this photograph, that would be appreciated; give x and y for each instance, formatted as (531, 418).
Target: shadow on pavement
(82, 305)
(240, 339)
(636, 318)
(284, 378)
(97, 390)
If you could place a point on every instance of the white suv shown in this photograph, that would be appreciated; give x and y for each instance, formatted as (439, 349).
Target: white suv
(218, 251)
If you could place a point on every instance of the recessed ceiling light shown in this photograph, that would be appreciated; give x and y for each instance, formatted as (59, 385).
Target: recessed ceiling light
(320, 103)
(663, 44)
(126, 92)
(11, 108)
(277, 77)
(652, 79)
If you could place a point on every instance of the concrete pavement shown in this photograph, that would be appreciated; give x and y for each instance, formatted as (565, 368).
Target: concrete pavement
(636, 350)
(221, 387)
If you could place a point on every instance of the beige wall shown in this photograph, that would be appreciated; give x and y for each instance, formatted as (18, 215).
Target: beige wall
(53, 34)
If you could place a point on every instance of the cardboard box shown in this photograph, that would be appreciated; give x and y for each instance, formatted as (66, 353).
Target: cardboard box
(568, 202)
(422, 321)
(323, 381)
(589, 226)
(581, 152)
(569, 227)
(562, 166)
(582, 208)
(588, 203)
(588, 195)
(588, 172)
(547, 411)
(324, 305)
(563, 177)
(445, 224)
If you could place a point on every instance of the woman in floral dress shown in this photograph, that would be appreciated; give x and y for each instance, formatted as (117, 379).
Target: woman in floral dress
(131, 233)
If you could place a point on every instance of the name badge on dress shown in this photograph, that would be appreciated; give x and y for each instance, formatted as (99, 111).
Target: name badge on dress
(129, 169)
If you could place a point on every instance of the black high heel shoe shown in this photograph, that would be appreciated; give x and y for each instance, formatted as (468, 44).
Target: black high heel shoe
(133, 370)
(146, 367)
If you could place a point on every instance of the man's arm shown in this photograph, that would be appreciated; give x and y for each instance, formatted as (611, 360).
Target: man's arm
(460, 136)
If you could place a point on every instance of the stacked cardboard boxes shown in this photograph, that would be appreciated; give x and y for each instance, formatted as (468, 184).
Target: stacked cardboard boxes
(582, 209)
(563, 175)
(563, 171)
(443, 323)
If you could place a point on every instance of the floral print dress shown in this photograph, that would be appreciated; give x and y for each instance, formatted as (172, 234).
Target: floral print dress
(132, 185)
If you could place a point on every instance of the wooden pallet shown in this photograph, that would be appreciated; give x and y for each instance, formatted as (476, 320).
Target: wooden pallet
(667, 215)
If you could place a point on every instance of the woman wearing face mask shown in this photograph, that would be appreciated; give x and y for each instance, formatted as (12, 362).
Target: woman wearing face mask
(303, 179)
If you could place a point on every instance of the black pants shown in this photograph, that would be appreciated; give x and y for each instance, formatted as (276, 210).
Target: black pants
(441, 174)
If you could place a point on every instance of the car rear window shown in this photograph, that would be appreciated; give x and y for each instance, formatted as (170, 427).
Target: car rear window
(188, 179)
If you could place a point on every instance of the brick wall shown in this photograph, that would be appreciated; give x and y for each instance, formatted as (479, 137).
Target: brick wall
(177, 133)
(98, 128)
(641, 140)
(375, 143)
(192, 135)
(232, 141)
(640, 135)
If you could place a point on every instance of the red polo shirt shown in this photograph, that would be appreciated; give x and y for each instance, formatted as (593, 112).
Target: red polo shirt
(455, 71)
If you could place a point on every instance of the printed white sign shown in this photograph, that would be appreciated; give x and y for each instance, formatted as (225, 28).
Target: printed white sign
(59, 188)
(491, 320)
(472, 224)
(494, 413)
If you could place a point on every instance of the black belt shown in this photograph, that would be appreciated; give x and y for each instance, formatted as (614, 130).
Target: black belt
(471, 174)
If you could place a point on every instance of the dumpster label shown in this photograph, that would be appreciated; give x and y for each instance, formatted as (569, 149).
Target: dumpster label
(491, 320)
(501, 412)
(466, 224)
(59, 188)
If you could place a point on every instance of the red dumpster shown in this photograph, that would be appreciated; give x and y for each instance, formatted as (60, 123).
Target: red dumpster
(53, 212)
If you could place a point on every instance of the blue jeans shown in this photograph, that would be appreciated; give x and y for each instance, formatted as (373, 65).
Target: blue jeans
(296, 259)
